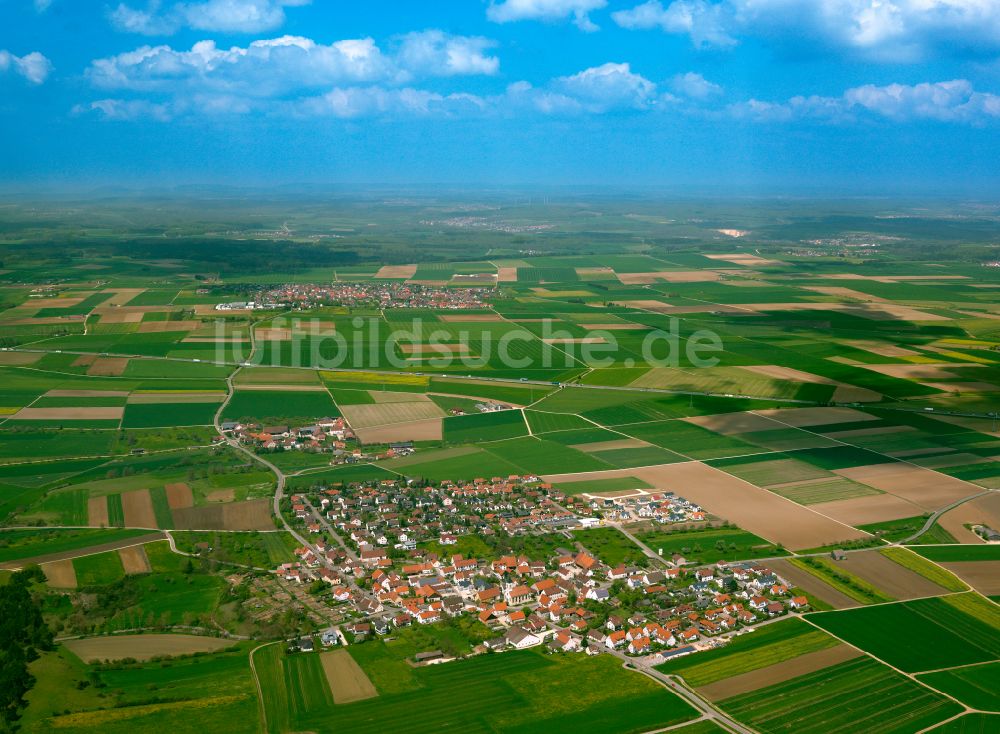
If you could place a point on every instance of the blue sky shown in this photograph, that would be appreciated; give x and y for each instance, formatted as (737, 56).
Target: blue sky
(751, 95)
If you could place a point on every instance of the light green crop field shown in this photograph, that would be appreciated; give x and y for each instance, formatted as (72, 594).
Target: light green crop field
(859, 693)
(514, 692)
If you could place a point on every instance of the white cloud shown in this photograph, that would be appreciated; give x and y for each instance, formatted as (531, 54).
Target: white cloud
(291, 63)
(508, 11)
(436, 53)
(34, 66)
(120, 109)
(706, 23)
(695, 86)
(42, 5)
(950, 101)
(605, 87)
(225, 16)
(881, 30)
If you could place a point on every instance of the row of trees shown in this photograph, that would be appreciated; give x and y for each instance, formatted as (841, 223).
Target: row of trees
(23, 633)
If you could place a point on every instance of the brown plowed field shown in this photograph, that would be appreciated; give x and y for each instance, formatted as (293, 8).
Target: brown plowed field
(97, 512)
(347, 680)
(752, 508)
(811, 584)
(60, 574)
(134, 560)
(778, 673)
(731, 423)
(138, 507)
(142, 647)
(424, 430)
(108, 366)
(929, 489)
(157, 327)
(889, 576)
(803, 417)
(68, 414)
(250, 515)
(983, 576)
(396, 271)
(873, 508)
(179, 495)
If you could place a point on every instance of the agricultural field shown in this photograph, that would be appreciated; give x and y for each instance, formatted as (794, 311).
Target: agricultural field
(850, 402)
(923, 634)
(512, 692)
(857, 693)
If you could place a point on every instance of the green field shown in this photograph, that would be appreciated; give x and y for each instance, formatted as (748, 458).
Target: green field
(187, 695)
(17, 544)
(970, 724)
(518, 692)
(977, 686)
(768, 645)
(710, 544)
(957, 553)
(859, 695)
(923, 634)
(98, 570)
(261, 550)
(480, 427)
(940, 576)
(271, 406)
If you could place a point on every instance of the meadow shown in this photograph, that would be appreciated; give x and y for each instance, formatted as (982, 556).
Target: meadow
(710, 544)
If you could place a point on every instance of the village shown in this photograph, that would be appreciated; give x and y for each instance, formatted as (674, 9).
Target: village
(375, 294)
(508, 558)
(329, 435)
